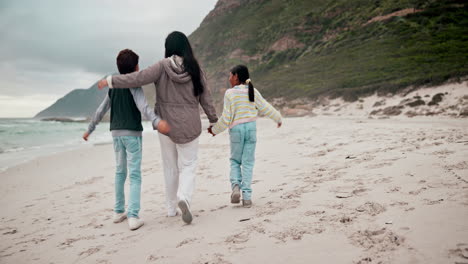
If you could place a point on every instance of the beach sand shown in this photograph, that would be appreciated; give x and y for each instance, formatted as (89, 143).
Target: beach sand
(325, 190)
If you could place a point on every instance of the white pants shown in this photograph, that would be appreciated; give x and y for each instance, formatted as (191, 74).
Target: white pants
(180, 164)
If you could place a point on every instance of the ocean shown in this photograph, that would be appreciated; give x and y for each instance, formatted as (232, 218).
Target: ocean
(22, 140)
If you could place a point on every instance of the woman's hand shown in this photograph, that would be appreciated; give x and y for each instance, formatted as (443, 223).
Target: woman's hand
(279, 124)
(211, 131)
(163, 127)
(102, 83)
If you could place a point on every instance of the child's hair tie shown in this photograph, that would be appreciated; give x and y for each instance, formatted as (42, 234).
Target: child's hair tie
(247, 81)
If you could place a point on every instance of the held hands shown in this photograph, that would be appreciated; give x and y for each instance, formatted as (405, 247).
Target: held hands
(211, 131)
(102, 83)
(85, 136)
(279, 124)
(163, 127)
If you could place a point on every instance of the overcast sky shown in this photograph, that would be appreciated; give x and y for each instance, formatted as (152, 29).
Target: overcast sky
(50, 47)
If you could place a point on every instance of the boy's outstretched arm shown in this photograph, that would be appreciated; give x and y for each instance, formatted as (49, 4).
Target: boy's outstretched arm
(140, 101)
(100, 112)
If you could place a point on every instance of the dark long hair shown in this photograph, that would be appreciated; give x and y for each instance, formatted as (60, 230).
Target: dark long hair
(243, 74)
(178, 44)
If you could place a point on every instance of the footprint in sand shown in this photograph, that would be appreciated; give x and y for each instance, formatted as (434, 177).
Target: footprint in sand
(70, 241)
(186, 241)
(394, 189)
(272, 208)
(460, 252)
(296, 232)
(216, 258)
(91, 196)
(365, 260)
(312, 213)
(219, 208)
(291, 195)
(12, 231)
(377, 242)
(346, 219)
(418, 191)
(92, 224)
(371, 208)
(34, 241)
(153, 258)
(383, 180)
(275, 190)
(399, 204)
(90, 251)
(343, 193)
(379, 165)
(359, 191)
(432, 202)
(238, 238)
(112, 252)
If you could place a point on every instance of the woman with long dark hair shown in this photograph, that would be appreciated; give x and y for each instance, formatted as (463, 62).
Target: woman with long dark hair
(180, 89)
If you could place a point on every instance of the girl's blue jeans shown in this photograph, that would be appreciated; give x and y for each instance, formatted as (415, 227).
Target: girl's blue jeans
(243, 142)
(128, 153)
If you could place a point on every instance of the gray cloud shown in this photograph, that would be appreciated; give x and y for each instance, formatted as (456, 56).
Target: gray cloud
(88, 34)
(51, 47)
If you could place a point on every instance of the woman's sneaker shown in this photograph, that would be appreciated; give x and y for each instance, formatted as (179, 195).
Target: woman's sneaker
(172, 213)
(235, 196)
(119, 217)
(134, 223)
(247, 203)
(186, 214)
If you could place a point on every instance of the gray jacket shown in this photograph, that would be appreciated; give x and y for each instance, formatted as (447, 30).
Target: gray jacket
(175, 101)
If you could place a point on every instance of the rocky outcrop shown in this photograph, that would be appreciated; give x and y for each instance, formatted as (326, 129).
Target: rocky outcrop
(239, 54)
(285, 43)
(436, 99)
(400, 13)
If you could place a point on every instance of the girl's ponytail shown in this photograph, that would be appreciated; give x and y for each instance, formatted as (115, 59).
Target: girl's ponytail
(251, 90)
(242, 73)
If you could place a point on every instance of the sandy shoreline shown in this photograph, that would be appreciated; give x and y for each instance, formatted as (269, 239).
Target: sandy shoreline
(326, 190)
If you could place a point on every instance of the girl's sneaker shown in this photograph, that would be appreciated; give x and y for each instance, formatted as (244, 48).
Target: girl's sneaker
(247, 203)
(134, 223)
(186, 214)
(235, 196)
(119, 217)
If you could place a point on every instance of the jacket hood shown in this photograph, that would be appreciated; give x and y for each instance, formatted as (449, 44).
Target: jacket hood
(175, 69)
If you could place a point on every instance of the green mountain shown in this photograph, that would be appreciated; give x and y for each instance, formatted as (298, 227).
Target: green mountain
(77, 103)
(305, 48)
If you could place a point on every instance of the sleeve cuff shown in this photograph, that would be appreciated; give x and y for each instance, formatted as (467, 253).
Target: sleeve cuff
(109, 81)
(156, 123)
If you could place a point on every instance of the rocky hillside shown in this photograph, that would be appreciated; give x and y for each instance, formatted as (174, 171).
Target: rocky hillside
(305, 48)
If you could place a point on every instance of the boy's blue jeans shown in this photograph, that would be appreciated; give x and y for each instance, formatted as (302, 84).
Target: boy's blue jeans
(243, 142)
(128, 155)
